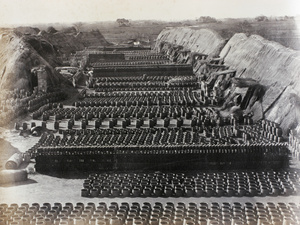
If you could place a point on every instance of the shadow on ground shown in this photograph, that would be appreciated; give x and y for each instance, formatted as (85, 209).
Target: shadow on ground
(26, 182)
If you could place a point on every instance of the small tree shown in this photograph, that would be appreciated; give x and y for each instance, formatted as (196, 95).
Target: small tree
(51, 30)
(288, 18)
(207, 19)
(123, 22)
(78, 26)
(244, 26)
(261, 18)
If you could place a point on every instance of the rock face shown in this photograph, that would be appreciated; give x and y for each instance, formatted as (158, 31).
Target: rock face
(275, 67)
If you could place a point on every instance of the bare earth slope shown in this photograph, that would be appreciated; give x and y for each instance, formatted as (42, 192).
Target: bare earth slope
(17, 58)
(203, 41)
(274, 66)
(67, 43)
(21, 52)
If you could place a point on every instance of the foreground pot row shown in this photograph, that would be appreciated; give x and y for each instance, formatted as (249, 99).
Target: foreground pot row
(152, 214)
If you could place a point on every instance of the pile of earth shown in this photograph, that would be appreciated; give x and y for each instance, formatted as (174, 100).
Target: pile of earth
(275, 67)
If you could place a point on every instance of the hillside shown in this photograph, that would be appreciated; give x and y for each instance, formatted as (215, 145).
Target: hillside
(22, 49)
(272, 65)
(17, 58)
(203, 41)
(69, 42)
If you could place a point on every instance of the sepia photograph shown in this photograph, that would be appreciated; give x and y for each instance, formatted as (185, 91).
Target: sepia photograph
(148, 112)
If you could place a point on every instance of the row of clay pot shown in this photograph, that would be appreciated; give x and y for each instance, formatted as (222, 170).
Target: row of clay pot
(140, 94)
(294, 144)
(265, 152)
(125, 137)
(151, 214)
(197, 185)
(131, 63)
(120, 111)
(123, 86)
(191, 86)
(147, 57)
(137, 78)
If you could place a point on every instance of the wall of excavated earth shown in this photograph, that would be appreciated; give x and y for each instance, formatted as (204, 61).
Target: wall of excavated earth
(17, 58)
(20, 53)
(274, 66)
(203, 41)
(69, 42)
